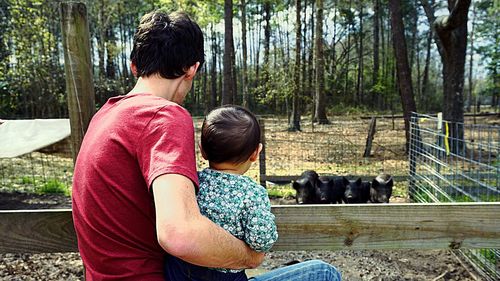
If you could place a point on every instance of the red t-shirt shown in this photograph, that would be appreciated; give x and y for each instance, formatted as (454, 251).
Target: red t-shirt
(130, 141)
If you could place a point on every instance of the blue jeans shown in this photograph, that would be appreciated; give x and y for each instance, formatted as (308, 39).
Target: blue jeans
(313, 270)
(179, 270)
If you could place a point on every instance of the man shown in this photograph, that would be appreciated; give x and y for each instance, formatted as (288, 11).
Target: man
(135, 176)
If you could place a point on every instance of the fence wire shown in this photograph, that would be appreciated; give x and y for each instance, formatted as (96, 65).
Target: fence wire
(335, 148)
(456, 162)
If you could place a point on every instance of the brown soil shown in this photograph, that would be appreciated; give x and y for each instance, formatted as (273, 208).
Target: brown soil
(354, 265)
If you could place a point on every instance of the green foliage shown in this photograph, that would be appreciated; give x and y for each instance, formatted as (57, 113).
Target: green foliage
(488, 35)
(107, 88)
(31, 58)
(53, 186)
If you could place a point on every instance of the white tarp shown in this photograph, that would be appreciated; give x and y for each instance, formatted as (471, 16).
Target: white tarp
(18, 137)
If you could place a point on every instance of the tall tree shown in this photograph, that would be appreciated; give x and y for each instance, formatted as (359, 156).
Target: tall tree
(244, 80)
(471, 61)
(359, 85)
(425, 79)
(267, 44)
(451, 39)
(228, 91)
(320, 112)
(296, 93)
(402, 66)
(213, 70)
(376, 26)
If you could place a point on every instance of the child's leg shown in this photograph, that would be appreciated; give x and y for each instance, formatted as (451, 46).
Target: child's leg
(313, 270)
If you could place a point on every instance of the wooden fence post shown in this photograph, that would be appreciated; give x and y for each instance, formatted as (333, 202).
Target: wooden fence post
(262, 155)
(78, 70)
(369, 139)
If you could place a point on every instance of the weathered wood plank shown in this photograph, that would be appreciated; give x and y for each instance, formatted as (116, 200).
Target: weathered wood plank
(389, 226)
(37, 231)
(306, 227)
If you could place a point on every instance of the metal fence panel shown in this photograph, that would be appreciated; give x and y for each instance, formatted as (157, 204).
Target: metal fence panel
(456, 162)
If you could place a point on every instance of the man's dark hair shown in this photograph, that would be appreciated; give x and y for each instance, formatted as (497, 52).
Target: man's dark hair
(166, 44)
(230, 134)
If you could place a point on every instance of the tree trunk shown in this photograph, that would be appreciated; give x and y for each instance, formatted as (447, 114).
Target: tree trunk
(471, 60)
(349, 28)
(425, 80)
(110, 63)
(359, 90)
(228, 90)
(305, 90)
(244, 80)
(213, 71)
(451, 39)
(267, 43)
(320, 112)
(101, 39)
(311, 60)
(295, 118)
(402, 66)
(376, 24)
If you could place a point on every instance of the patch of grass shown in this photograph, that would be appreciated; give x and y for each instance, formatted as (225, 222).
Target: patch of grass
(27, 180)
(462, 198)
(400, 189)
(281, 191)
(489, 255)
(53, 186)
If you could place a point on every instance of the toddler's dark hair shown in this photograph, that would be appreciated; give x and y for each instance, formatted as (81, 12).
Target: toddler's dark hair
(230, 134)
(167, 44)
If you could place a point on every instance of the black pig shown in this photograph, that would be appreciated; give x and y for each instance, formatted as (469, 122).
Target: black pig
(331, 189)
(305, 187)
(381, 189)
(357, 192)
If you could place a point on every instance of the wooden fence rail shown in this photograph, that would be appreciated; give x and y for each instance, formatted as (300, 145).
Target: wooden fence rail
(307, 227)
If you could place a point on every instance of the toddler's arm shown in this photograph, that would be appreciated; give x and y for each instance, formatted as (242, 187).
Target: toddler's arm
(260, 227)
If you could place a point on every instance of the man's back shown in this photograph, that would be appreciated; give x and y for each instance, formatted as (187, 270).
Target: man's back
(132, 140)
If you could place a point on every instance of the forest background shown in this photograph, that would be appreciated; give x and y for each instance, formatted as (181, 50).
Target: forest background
(327, 57)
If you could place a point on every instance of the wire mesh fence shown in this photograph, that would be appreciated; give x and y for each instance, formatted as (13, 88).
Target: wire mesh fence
(456, 162)
(38, 172)
(335, 148)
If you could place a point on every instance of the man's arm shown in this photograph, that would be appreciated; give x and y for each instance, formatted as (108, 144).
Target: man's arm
(183, 232)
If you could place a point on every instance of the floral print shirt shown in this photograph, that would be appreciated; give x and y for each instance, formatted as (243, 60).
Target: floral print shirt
(240, 206)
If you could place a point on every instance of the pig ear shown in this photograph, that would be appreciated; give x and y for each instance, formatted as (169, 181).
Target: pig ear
(358, 181)
(390, 183)
(346, 181)
(375, 183)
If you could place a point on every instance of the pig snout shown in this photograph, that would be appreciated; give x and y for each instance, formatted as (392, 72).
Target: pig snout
(349, 195)
(383, 198)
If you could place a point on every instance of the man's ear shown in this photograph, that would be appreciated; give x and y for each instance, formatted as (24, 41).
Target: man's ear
(255, 154)
(203, 154)
(133, 68)
(191, 71)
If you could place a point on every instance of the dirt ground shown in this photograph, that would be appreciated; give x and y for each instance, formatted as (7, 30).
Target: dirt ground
(410, 265)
